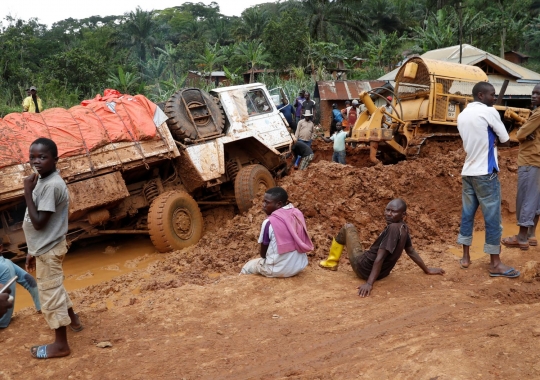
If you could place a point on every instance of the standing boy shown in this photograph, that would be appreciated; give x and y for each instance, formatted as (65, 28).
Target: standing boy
(339, 144)
(45, 227)
(284, 239)
(479, 126)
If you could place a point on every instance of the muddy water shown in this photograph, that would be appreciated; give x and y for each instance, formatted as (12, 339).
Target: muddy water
(477, 247)
(98, 262)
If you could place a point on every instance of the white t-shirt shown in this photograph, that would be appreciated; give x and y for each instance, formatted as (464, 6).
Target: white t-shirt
(478, 126)
(284, 265)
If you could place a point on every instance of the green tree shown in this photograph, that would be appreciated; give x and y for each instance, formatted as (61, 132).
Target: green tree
(382, 49)
(209, 59)
(77, 70)
(324, 15)
(253, 54)
(125, 81)
(252, 24)
(140, 32)
(284, 38)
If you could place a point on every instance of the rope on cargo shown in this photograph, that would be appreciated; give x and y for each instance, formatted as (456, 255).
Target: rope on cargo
(92, 169)
(137, 143)
(109, 137)
(46, 125)
(19, 153)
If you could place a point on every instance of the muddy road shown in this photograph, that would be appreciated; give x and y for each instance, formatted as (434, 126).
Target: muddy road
(188, 315)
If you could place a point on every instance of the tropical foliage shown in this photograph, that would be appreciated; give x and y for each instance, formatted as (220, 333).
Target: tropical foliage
(152, 52)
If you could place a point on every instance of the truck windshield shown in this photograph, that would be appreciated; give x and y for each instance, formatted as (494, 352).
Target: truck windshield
(257, 102)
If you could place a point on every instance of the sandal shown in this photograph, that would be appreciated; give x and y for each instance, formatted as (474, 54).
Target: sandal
(512, 242)
(533, 242)
(510, 273)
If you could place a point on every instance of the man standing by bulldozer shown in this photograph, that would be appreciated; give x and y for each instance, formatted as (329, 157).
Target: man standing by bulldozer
(479, 126)
(528, 192)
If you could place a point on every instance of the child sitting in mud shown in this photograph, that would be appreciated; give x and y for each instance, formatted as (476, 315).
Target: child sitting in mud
(45, 226)
(378, 261)
(283, 240)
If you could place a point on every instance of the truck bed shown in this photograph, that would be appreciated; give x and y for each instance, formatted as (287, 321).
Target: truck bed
(109, 158)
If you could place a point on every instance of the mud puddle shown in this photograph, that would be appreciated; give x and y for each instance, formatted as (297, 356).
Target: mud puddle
(99, 262)
(477, 247)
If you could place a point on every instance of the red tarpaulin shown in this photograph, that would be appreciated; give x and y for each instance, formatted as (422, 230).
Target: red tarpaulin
(97, 122)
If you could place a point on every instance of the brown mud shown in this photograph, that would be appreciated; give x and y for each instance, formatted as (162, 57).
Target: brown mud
(189, 315)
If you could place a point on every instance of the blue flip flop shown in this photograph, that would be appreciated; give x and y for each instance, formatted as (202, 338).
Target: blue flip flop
(510, 273)
(40, 352)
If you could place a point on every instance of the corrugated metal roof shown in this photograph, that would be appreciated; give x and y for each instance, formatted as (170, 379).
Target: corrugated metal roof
(471, 55)
(344, 90)
(514, 88)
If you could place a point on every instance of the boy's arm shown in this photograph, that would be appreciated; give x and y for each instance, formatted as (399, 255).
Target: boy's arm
(365, 290)
(418, 261)
(39, 218)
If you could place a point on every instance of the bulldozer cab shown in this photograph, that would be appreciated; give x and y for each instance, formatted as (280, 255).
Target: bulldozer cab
(435, 91)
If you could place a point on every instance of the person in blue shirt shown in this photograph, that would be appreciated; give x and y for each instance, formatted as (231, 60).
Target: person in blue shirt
(337, 117)
(287, 110)
(339, 144)
(9, 270)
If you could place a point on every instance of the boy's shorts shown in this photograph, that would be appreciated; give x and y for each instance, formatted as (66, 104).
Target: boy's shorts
(54, 298)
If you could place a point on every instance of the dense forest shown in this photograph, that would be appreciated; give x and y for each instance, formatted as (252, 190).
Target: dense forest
(151, 52)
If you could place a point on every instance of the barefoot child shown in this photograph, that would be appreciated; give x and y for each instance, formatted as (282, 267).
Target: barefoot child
(284, 239)
(45, 227)
(378, 261)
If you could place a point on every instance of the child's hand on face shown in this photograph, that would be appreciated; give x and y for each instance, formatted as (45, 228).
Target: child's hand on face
(30, 182)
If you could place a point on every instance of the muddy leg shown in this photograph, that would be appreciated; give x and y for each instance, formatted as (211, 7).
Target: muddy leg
(354, 247)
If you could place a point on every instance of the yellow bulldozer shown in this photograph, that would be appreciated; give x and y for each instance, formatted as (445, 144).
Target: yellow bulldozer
(428, 97)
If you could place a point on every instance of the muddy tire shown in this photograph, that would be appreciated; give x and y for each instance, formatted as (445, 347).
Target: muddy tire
(209, 120)
(251, 181)
(174, 221)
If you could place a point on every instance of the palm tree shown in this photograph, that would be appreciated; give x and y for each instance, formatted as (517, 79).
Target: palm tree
(253, 53)
(209, 59)
(139, 31)
(324, 14)
(252, 24)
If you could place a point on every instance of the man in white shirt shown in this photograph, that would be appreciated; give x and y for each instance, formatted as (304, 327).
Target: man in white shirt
(479, 126)
(339, 144)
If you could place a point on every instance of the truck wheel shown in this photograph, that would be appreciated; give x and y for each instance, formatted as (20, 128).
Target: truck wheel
(209, 120)
(174, 221)
(251, 181)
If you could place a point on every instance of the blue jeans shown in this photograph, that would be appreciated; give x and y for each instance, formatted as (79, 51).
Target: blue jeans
(339, 157)
(483, 191)
(7, 271)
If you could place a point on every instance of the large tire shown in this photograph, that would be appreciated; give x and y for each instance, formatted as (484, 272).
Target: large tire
(174, 221)
(179, 121)
(251, 181)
